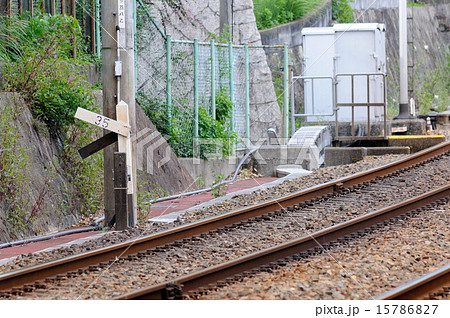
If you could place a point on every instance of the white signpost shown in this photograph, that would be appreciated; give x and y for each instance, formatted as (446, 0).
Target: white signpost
(101, 121)
(121, 127)
(124, 142)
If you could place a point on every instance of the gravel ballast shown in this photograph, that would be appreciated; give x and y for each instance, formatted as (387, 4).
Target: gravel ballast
(365, 268)
(238, 201)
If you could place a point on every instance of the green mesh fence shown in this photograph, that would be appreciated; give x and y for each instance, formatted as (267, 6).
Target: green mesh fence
(170, 76)
(275, 61)
(239, 94)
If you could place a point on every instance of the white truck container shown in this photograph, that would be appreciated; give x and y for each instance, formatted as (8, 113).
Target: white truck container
(343, 52)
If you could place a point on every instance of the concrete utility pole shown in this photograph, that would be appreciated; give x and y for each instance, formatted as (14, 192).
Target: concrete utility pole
(111, 52)
(226, 17)
(404, 112)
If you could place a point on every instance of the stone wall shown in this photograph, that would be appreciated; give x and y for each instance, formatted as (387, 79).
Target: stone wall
(203, 21)
(46, 176)
(430, 35)
(370, 4)
(386, 4)
(291, 33)
(52, 193)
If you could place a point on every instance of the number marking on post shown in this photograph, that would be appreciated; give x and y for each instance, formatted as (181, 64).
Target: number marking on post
(103, 121)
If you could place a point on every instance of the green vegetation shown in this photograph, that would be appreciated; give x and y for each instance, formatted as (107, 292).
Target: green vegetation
(44, 59)
(146, 193)
(270, 13)
(433, 89)
(215, 135)
(13, 167)
(416, 3)
(41, 68)
(219, 190)
(342, 12)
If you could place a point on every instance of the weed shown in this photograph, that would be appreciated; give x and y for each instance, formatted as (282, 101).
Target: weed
(219, 190)
(433, 89)
(200, 182)
(147, 192)
(342, 12)
(40, 66)
(272, 13)
(43, 71)
(86, 176)
(14, 163)
(213, 133)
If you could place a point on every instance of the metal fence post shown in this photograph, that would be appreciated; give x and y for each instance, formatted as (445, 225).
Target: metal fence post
(97, 29)
(285, 94)
(169, 78)
(231, 75)
(195, 90)
(134, 44)
(213, 79)
(292, 101)
(247, 97)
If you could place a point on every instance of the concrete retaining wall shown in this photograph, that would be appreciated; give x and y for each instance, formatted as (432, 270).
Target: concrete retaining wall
(206, 172)
(347, 155)
(416, 143)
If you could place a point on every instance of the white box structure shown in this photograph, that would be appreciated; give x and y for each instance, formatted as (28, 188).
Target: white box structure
(336, 56)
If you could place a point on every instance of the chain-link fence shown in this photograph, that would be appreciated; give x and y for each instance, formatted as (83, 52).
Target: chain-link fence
(182, 85)
(179, 81)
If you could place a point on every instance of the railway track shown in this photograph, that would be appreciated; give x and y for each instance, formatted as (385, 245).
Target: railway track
(197, 283)
(433, 286)
(277, 214)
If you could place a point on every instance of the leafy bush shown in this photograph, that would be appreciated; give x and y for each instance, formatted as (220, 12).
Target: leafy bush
(342, 12)
(44, 58)
(214, 135)
(39, 66)
(270, 13)
(224, 107)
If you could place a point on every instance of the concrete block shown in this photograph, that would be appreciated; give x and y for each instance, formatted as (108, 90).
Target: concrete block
(415, 143)
(285, 170)
(345, 155)
(413, 126)
(380, 151)
(268, 158)
(345, 129)
(208, 170)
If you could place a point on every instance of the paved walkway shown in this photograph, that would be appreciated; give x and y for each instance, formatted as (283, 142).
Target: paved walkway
(183, 203)
(159, 209)
(39, 246)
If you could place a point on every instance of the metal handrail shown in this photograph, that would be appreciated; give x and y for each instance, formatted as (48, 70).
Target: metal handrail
(368, 104)
(295, 115)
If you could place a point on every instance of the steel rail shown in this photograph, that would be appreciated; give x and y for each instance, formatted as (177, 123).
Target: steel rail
(72, 263)
(252, 261)
(420, 288)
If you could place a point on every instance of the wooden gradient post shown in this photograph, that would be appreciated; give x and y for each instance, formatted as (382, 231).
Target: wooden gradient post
(124, 145)
(123, 165)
